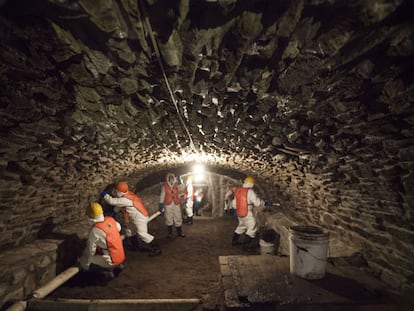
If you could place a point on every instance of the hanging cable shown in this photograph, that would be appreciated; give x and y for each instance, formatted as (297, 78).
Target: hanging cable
(158, 55)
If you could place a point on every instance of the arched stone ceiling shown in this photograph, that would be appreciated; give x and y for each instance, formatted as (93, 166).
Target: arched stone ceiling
(314, 98)
(239, 81)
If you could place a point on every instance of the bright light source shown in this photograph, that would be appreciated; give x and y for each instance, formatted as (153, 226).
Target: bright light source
(198, 169)
(198, 172)
(198, 178)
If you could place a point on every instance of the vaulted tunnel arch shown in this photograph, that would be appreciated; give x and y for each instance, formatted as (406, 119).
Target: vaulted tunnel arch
(184, 170)
(312, 98)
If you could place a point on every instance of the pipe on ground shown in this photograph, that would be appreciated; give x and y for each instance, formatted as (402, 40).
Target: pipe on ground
(114, 304)
(18, 306)
(61, 278)
(49, 287)
(45, 290)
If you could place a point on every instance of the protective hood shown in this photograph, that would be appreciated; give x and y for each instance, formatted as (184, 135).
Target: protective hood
(170, 179)
(120, 194)
(95, 220)
(248, 185)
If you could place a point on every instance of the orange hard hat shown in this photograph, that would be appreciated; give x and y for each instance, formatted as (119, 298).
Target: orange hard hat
(122, 186)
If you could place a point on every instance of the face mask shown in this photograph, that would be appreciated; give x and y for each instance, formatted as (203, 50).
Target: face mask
(119, 194)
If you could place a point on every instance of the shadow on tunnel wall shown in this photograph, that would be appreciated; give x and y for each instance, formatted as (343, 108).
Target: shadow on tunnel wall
(69, 249)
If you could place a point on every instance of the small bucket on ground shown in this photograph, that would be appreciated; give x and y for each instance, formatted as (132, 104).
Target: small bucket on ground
(266, 248)
(308, 246)
(267, 242)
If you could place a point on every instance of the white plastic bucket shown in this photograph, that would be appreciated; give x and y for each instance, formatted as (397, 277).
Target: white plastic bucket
(308, 246)
(266, 248)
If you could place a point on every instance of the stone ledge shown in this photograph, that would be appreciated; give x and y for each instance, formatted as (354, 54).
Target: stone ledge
(25, 268)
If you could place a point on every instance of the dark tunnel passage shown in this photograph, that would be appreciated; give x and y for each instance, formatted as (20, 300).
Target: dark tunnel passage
(313, 99)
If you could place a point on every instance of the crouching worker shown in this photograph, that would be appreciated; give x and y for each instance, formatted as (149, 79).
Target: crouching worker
(104, 253)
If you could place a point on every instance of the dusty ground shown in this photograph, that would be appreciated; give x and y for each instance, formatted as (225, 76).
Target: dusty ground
(187, 268)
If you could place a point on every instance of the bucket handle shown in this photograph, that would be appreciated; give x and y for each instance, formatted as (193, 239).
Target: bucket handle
(310, 254)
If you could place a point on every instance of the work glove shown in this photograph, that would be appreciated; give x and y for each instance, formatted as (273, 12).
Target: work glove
(128, 232)
(104, 193)
(161, 207)
(268, 203)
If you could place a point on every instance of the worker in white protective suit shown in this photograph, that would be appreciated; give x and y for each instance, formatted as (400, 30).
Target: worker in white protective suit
(189, 199)
(136, 216)
(246, 199)
(169, 205)
(104, 252)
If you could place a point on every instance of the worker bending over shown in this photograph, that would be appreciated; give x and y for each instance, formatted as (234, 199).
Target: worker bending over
(136, 216)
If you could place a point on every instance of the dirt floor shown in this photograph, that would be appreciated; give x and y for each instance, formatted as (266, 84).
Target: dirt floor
(187, 268)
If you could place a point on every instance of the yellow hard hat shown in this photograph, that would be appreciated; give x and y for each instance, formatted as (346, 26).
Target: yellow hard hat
(94, 210)
(249, 180)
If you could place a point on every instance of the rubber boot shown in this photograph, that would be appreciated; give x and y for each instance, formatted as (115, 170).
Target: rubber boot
(118, 269)
(108, 275)
(180, 232)
(132, 243)
(154, 249)
(236, 239)
(100, 274)
(248, 244)
(169, 229)
(189, 220)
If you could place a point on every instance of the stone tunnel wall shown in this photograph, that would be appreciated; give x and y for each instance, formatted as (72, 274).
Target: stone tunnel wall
(363, 199)
(324, 122)
(354, 197)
